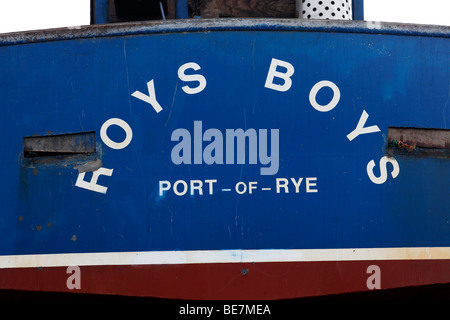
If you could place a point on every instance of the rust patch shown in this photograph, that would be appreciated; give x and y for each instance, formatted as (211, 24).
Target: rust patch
(418, 142)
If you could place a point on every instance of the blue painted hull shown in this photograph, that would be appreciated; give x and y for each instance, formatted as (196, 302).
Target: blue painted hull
(318, 193)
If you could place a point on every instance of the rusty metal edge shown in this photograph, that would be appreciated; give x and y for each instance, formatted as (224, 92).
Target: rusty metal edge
(234, 24)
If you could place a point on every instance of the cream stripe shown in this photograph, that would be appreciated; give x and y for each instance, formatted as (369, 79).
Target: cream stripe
(221, 256)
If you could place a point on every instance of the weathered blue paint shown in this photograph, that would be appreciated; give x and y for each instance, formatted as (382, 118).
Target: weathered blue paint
(99, 11)
(182, 9)
(207, 25)
(358, 9)
(75, 85)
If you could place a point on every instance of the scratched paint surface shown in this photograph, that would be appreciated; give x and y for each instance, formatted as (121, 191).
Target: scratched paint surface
(77, 85)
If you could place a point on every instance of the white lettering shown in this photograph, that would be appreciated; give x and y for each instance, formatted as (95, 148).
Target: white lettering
(184, 190)
(238, 190)
(244, 309)
(196, 185)
(151, 98)
(193, 77)
(164, 186)
(274, 73)
(92, 185)
(360, 127)
(332, 104)
(383, 170)
(310, 184)
(112, 144)
(282, 183)
(210, 183)
(252, 186)
(196, 310)
(285, 184)
(180, 187)
(297, 184)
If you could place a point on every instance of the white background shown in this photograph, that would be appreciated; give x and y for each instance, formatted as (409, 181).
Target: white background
(20, 15)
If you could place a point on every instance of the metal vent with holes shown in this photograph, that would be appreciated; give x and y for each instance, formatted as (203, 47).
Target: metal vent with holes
(325, 9)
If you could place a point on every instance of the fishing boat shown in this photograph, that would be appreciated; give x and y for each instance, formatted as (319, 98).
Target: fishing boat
(203, 150)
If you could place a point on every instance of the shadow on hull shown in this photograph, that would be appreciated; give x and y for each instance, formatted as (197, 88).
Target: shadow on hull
(430, 292)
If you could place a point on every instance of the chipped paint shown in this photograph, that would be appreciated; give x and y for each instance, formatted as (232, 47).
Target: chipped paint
(206, 25)
(89, 166)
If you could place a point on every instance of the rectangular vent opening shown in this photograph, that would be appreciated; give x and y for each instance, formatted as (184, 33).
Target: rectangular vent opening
(59, 145)
(418, 141)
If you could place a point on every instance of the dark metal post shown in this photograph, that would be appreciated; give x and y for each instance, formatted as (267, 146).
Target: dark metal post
(99, 11)
(182, 9)
(358, 9)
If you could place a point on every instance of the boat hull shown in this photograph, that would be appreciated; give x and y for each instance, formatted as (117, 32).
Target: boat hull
(246, 159)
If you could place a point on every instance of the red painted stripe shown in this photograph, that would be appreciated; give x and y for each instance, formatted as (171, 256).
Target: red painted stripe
(279, 280)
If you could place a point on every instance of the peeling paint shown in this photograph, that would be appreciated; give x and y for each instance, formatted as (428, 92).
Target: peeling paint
(89, 166)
